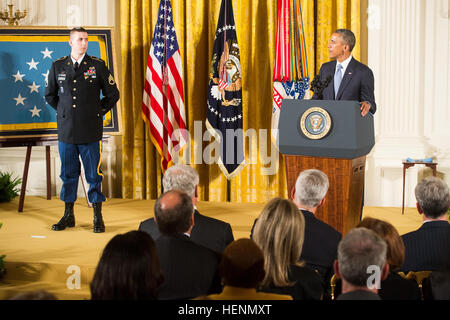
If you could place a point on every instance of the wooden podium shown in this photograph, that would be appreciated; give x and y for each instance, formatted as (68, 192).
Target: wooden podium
(341, 154)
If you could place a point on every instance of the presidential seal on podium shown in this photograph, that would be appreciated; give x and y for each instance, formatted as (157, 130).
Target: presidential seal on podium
(315, 123)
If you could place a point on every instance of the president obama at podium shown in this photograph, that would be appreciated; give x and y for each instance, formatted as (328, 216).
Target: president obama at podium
(345, 78)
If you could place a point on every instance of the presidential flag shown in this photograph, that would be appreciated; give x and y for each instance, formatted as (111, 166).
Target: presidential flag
(163, 101)
(224, 114)
(290, 76)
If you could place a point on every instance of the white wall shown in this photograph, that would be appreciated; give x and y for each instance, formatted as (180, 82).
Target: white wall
(409, 53)
(64, 13)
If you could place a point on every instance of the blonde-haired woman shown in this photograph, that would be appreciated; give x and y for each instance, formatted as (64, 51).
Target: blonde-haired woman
(279, 232)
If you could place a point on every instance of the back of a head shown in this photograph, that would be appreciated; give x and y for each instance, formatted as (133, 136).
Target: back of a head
(279, 232)
(128, 269)
(181, 177)
(360, 249)
(311, 187)
(242, 264)
(432, 195)
(395, 247)
(348, 36)
(173, 212)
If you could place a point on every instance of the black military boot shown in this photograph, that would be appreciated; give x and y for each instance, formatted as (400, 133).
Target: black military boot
(99, 226)
(68, 219)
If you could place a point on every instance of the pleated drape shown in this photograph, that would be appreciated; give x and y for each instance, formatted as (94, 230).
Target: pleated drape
(195, 24)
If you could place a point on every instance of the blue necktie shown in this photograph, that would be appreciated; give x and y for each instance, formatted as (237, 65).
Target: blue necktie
(337, 79)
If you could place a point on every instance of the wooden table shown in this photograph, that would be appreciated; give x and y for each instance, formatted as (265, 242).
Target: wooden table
(407, 165)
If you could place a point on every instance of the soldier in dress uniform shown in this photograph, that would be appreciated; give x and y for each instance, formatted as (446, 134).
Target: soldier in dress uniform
(73, 90)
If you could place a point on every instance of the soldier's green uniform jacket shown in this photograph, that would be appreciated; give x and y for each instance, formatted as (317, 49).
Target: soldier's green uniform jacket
(76, 98)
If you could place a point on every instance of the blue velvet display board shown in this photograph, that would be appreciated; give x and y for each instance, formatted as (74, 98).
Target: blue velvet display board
(26, 56)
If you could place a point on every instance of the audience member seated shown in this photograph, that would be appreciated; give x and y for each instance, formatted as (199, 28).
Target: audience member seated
(361, 260)
(190, 270)
(437, 286)
(280, 232)
(128, 269)
(242, 270)
(321, 240)
(394, 287)
(35, 295)
(428, 248)
(209, 232)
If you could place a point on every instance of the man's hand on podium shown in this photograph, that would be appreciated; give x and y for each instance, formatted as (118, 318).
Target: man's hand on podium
(365, 108)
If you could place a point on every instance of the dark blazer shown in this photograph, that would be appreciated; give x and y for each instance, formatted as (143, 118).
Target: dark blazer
(75, 95)
(209, 232)
(428, 248)
(437, 286)
(319, 246)
(357, 83)
(308, 285)
(190, 270)
(359, 295)
(394, 287)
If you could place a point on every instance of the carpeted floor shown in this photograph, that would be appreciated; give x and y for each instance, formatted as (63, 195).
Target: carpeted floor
(39, 258)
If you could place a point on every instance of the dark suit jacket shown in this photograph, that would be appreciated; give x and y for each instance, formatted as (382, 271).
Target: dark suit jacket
(308, 285)
(319, 247)
(357, 83)
(394, 287)
(209, 232)
(428, 248)
(190, 270)
(359, 295)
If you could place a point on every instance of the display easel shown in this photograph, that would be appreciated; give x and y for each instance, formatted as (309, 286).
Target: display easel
(29, 143)
(37, 142)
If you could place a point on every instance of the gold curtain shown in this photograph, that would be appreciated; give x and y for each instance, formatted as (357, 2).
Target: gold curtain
(195, 23)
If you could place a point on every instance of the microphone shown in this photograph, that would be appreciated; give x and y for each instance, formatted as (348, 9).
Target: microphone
(318, 86)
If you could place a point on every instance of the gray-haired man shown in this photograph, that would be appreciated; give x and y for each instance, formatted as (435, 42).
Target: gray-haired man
(361, 264)
(209, 232)
(428, 248)
(321, 240)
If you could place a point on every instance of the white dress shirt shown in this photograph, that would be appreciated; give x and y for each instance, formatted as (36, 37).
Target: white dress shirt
(79, 60)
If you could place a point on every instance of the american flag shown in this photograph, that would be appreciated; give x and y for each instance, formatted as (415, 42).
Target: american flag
(163, 101)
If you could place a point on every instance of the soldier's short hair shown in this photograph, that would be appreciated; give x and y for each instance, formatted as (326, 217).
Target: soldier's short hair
(77, 29)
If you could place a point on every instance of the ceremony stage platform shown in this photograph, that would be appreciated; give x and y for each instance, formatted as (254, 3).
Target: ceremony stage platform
(38, 258)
